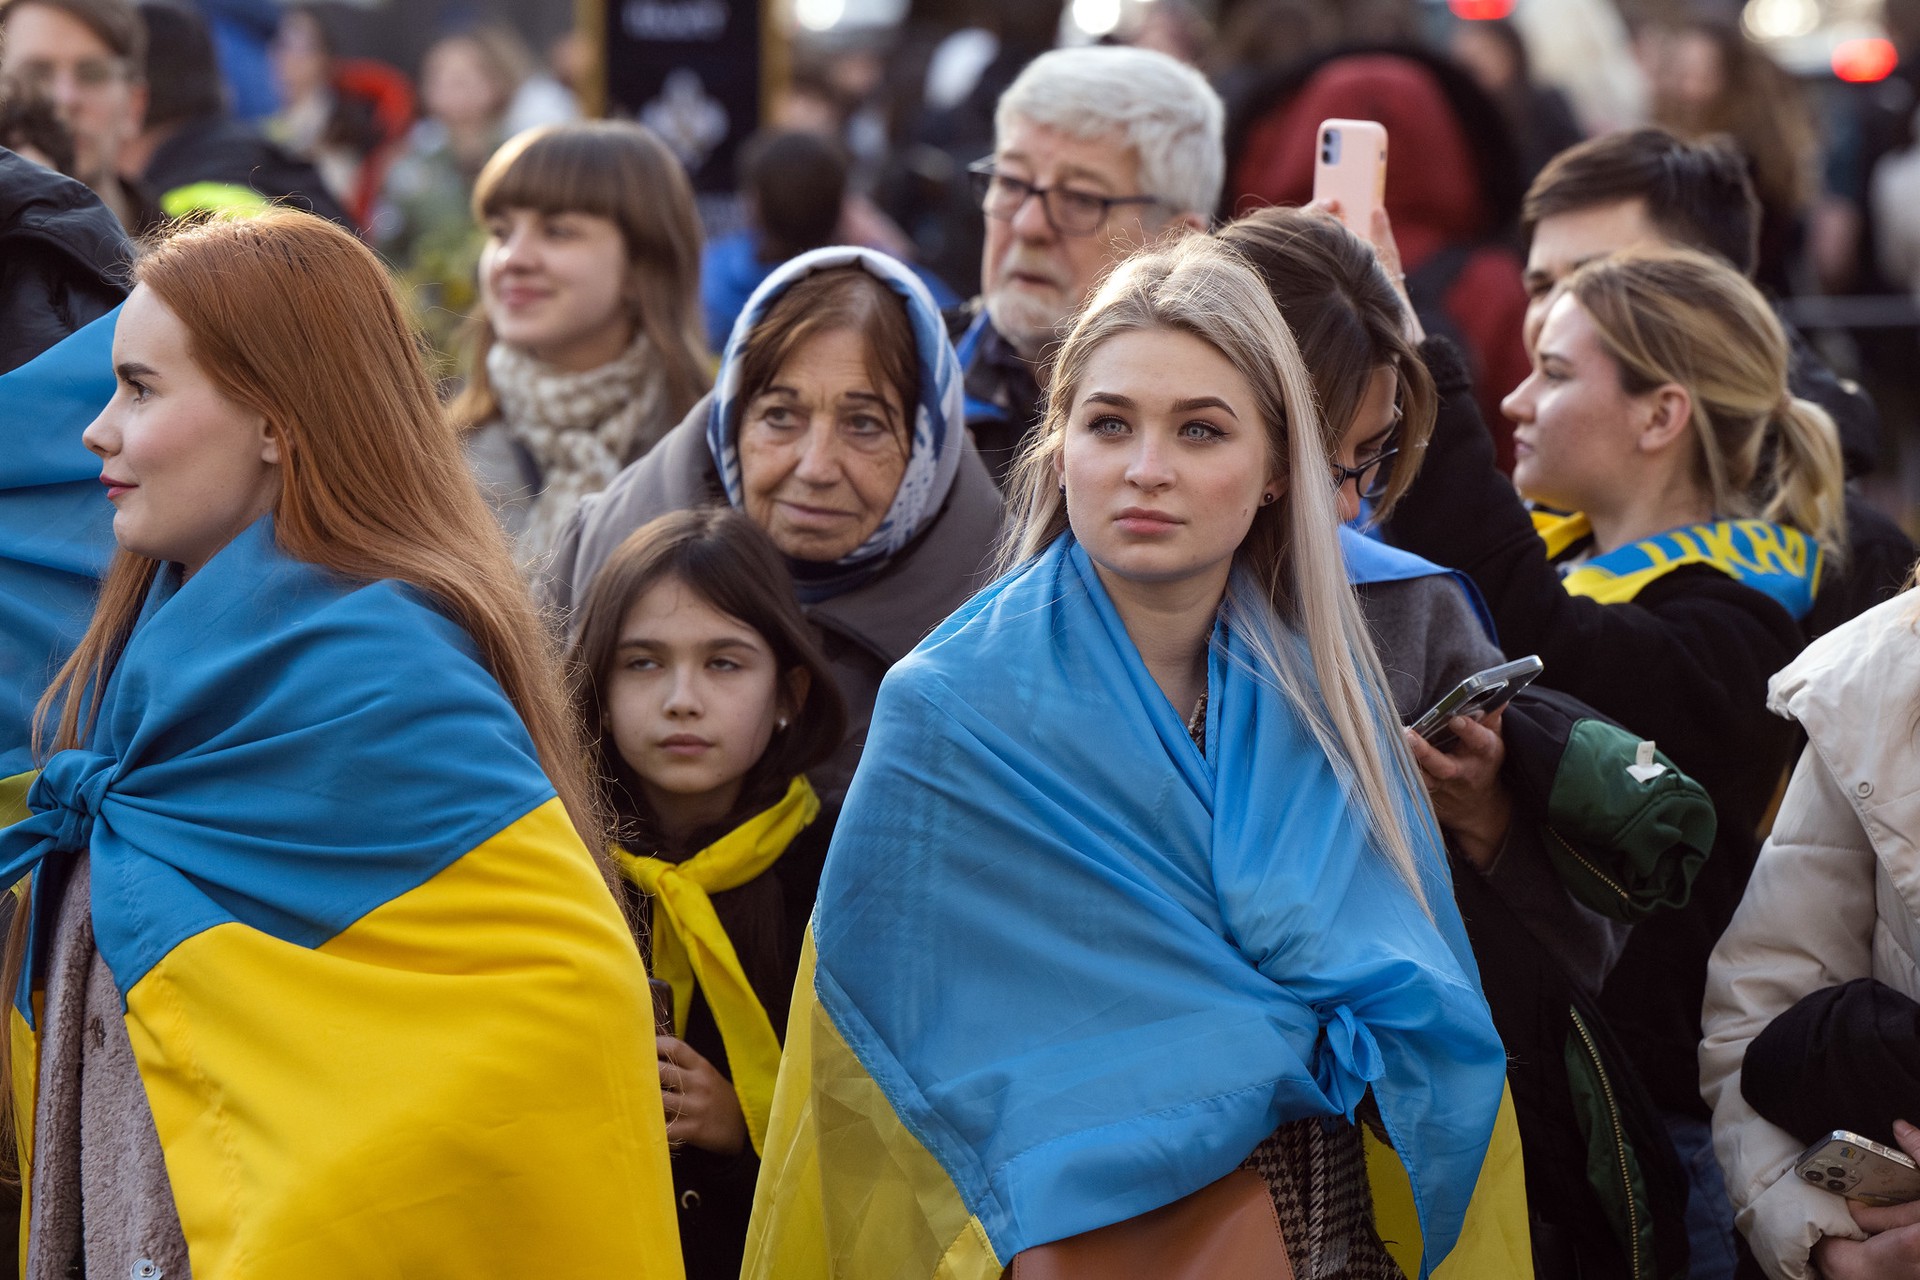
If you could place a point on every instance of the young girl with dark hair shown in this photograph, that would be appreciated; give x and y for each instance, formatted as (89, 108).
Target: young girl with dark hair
(707, 700)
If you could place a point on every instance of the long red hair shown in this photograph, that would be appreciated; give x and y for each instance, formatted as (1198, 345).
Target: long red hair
(294, 319)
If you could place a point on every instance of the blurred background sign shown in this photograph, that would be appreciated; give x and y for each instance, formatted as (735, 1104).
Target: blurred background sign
(700, 73)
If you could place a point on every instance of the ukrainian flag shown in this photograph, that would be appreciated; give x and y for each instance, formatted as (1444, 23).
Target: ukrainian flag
(388, 1017)
(56, 533)
(1067, 966)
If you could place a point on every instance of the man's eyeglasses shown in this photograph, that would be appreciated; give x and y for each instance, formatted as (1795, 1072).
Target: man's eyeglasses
(88, 73)
(1371, 478)
(1069, 212)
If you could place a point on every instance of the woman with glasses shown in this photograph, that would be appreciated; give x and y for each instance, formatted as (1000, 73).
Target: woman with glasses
(1544, 940)
(1364, 350)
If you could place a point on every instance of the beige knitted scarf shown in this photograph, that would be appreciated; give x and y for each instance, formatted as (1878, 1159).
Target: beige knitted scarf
(579, 428)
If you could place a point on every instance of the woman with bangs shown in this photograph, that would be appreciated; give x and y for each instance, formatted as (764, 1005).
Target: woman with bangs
(587, 346)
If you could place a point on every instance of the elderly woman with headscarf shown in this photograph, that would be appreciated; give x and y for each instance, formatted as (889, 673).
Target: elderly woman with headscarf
(837, 425)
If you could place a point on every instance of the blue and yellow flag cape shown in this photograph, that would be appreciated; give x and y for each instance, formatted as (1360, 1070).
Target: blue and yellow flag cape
(56, 532)
(1781, 563)
(1065, 968)
(387, 1014)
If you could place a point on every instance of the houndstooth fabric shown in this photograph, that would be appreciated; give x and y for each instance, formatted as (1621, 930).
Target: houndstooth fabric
(1316, 1171)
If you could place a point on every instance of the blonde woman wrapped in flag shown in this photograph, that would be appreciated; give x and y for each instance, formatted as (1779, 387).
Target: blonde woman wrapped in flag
(1135, 870)
(317, 975)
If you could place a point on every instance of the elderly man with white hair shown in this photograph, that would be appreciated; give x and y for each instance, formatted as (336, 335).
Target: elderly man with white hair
(1096, 152)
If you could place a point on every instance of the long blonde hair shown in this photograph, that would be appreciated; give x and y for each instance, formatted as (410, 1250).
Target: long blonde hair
(1289, 582)
(1681, 317)
(294, 319)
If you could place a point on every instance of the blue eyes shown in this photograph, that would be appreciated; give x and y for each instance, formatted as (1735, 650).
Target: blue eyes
(1199, 431)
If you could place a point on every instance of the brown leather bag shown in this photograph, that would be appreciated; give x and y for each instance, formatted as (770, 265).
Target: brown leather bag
(1226, 1231)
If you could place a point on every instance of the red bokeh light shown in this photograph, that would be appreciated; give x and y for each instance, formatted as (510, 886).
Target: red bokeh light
(1480, 10)
(1863, 61)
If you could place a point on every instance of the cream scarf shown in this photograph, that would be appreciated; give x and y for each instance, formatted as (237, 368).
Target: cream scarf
(580, 428)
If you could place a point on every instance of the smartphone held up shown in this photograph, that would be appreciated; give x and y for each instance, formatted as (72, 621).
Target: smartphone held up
(1350, 169)
(1480, 694)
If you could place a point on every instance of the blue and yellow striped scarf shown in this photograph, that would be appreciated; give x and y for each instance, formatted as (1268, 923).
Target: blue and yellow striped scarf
(1781, 563)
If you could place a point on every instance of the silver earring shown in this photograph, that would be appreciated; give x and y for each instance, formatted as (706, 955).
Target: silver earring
(780, 724)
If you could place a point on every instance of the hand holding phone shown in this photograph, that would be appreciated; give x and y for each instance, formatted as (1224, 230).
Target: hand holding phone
(1350, 169)
(1852, 1166)
(1479, 694)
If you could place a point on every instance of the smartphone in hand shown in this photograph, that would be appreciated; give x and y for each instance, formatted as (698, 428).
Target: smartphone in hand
(1852, 1166)
(1481, 693)
(1350, 166)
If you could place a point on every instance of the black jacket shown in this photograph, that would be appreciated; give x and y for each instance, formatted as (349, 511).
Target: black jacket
(1605, 1190)
(1004, 403)
(1686, 664)
(1879, 553)
(1845, 1057)
(63, 259)
(715, 1192)
(1879, 557)
(227, 151)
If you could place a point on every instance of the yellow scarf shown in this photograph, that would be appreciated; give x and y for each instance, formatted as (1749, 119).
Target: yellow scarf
(690, 946)
(1781, 563)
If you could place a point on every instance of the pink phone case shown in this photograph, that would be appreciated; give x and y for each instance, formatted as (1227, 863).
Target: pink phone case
(1350, 165)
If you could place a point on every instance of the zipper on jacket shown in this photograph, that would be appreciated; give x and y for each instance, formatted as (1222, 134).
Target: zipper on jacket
(1592, 870)
(1619, 1141)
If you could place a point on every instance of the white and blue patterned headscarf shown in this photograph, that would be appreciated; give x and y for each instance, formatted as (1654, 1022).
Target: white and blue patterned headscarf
(939, 419)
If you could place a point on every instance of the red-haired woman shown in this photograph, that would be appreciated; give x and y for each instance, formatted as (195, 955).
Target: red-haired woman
(319, 976)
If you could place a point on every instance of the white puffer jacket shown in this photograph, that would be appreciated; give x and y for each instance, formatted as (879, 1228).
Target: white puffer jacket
(1835, 896)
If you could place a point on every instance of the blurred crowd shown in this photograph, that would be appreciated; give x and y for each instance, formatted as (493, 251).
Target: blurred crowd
(871, 135)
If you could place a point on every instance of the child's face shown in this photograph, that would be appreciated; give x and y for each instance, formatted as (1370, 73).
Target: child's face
(691, 702)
